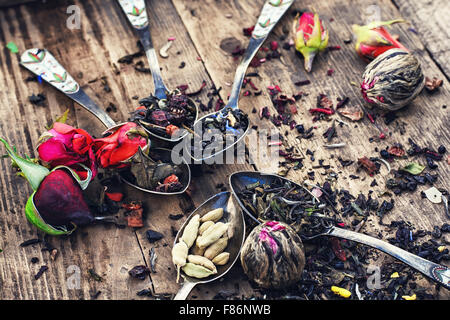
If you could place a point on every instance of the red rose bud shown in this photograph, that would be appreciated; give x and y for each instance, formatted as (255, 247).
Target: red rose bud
(373, 39)
(59, 201)
(310, 37)
(120, 146)
(68, 146)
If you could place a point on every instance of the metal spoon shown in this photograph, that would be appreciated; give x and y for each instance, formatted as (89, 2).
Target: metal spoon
(233, 215)
(43, 64)
(136, 12)
(271, 13)
(434, 271)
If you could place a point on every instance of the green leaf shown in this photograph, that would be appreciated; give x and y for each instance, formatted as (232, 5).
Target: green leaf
(413, 168)
(12, 47)
(63, 117)
(33, 172)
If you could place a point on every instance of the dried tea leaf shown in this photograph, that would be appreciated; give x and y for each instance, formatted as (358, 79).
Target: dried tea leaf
(12, 47)
(413, 168)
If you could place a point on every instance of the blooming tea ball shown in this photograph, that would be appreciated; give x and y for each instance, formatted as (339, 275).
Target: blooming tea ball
(273, 255)
(392, 80)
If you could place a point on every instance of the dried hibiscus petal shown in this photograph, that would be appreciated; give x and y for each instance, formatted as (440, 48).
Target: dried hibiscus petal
(369, 165)
(396, 150)
(433, 84)
(353, 114)
(337, 249)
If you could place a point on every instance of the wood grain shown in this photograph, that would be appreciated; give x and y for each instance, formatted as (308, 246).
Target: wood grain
(430, 20)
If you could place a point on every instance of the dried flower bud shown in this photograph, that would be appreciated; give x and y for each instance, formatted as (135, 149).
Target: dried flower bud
(273, 255)
(373, 39)
(310, 37)
(392, 80)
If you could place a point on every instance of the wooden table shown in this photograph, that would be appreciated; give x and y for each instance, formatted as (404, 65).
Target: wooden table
(91, 53)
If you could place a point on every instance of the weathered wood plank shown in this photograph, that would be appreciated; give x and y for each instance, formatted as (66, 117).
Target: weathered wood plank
(430, 20)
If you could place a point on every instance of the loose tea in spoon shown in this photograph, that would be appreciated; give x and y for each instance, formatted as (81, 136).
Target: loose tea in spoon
(165, 117)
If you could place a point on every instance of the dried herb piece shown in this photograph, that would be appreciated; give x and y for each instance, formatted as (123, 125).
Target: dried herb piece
(94, 275)
(369, 165)
(37, 99)
(433, 84)
(30, 242)
(153, 236)
(40, 272)
(354, 114)
(139, 272)
(413, 168)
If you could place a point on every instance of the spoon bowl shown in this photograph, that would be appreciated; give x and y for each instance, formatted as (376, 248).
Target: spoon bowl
(163, 155)
(200, 151)
(178, 137)
(236, 233)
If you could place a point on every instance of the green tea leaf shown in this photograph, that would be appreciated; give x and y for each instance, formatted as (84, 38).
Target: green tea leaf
(12, 47)
(63, 117)
(413, 168)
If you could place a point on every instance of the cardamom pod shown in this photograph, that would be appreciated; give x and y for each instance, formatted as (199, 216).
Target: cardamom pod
(202, 261)
(204, 226)
(213, 234)
(198, 251)
(221, 259)
(191, 230)
(214, 215)
(196, 271)
(179, 256)
(216, 248)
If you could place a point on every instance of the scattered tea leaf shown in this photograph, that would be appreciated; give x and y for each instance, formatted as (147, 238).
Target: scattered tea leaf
(12, 47)
(94, 275)
(413, 168)
(40, 272)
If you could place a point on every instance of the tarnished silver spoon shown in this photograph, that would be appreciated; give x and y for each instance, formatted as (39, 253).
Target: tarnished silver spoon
(136, 12)
(43, 64)
(233, 215)
(434, 271)
(271, 13)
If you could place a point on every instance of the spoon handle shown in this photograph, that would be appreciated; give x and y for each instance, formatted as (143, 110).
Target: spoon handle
(42, 63)
(184, 291)
(432, 270)
(271, 13)
(136, 13)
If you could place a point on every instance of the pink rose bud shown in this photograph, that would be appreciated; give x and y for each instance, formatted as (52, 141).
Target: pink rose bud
(373, 39)
(310, 37)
